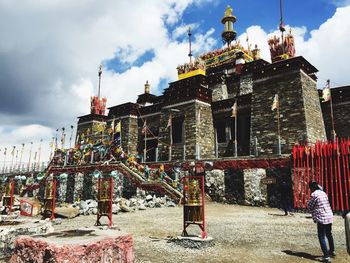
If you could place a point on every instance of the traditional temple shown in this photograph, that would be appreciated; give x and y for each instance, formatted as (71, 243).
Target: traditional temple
(220, 106)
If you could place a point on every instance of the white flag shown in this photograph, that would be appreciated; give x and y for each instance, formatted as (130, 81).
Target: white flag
(275, 103)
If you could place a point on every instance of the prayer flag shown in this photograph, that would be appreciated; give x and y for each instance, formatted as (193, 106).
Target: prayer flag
(326, 94)
(234, 110)
(169, 122)
(144, 128)
(13, 150)
(118, 128)
(275, 103)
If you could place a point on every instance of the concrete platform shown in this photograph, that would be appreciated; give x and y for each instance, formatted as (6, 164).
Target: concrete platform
(75, 245)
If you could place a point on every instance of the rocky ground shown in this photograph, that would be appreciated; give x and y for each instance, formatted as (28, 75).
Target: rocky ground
(241, 234)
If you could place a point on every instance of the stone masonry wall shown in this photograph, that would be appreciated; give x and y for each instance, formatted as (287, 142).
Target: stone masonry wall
(246, 84)
(289, 87)
(313, 114)
(129, 134)
(205, 131)
(255, 191)
(219, 92)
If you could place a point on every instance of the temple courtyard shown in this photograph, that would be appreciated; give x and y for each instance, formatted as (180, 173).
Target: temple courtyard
(240, 233)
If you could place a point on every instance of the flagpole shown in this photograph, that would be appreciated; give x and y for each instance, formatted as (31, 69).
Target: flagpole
(278, 128)
(20, 157)
(30, 155)
(145, 149)
(39, 155)
(331, 105)
(13, 155)
(71, 136)
(51, 148)
(236, 153)
(171, 137)
(16, 159)
(3, 167)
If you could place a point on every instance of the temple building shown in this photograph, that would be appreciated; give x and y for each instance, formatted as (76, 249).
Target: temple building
(225, 103)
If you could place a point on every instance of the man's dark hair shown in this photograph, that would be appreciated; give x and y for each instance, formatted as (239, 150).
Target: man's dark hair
(313, 185)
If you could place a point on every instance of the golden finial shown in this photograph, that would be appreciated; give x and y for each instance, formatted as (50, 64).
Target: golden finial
(228, 11)
(147, 87)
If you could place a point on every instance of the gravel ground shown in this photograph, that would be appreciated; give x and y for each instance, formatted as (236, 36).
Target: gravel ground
(241, 234)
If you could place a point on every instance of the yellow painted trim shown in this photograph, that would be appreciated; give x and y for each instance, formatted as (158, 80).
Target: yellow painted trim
(192, 73)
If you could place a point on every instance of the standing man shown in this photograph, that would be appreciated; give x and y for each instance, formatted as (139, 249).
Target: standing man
(322, 215)
(285, 191)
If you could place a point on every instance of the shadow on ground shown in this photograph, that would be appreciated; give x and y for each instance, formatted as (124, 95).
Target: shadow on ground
(302, 255)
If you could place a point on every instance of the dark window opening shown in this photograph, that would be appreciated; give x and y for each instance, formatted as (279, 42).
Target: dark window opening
(221, 132)
(177, 130)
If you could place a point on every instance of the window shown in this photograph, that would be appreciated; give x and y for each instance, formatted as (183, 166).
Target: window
(221, 132)
(177, 130)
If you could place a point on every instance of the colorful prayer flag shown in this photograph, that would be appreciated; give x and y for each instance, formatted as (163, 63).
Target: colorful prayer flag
(275, 103)
(118, 127)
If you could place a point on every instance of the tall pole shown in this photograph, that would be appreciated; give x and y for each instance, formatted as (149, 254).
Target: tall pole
(20, 156)
(71, 136)
(145, 148)
(236, 136)
(331, 105)
(13, 156)
(3, 167)
(51, 148)
(16, 159)
(99, 80)
(189, 41)
(30, 155)
(278, 128)
(39, 155)
(281, 25)
(170, 137)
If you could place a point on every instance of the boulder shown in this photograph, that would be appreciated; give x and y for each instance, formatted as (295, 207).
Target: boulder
(67, 212)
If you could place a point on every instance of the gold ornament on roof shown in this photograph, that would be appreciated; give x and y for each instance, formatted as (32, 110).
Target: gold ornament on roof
(228, 11)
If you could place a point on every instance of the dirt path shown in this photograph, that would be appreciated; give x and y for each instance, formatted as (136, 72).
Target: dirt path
(241, 234)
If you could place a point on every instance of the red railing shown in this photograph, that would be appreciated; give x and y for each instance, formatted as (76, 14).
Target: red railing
(328, 164)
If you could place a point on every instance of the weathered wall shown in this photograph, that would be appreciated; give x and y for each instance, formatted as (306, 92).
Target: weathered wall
(129, 132)
(295, 93)
(313, 114)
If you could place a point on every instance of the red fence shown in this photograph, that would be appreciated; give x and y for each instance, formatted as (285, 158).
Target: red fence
(328, 164)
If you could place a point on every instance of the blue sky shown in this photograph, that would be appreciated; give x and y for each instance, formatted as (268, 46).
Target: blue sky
(50, 51)
(309, 13)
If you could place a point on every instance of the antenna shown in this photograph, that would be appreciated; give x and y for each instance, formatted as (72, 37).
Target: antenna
(99, 80)
(189, 41)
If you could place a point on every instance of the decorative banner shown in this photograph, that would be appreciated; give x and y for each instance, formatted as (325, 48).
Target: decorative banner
(26, 208)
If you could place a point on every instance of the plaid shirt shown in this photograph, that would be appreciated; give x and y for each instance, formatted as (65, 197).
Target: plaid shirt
(320, 208)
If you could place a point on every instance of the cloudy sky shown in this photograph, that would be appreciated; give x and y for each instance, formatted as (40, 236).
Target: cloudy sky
(50, 52)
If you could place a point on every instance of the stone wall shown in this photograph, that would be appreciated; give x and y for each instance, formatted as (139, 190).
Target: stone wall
(246, 84)
(205, 130)
(219, 92)
(290, 86)
(313, 114)
(341, 112)
(129, 134)
(255, 191)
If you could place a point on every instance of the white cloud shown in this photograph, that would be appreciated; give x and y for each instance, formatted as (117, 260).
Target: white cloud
(326, 48)
(50, 52)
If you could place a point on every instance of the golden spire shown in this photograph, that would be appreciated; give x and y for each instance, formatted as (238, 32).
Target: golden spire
(147, 87)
